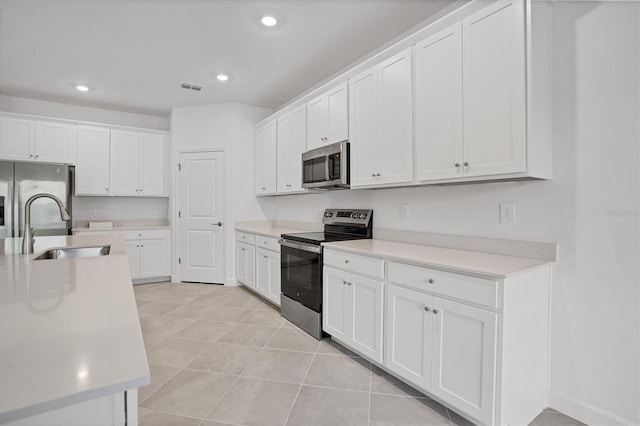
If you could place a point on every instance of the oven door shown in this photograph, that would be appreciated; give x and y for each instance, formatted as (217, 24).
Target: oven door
(301, 273)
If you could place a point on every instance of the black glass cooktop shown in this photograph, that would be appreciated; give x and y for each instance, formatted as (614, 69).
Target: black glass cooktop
(320, 237)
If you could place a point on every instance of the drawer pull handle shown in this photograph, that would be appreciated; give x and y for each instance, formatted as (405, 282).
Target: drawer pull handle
(344, 282)
(435, 311)
(426, 308)
(430, 281)
(346, 261)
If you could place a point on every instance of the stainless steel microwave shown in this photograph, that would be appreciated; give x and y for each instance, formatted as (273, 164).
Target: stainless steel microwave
(326, 167)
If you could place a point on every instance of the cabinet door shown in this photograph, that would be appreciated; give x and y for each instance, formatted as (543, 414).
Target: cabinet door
(337, 114)
(365, 308)
(152, 165)
(54, 142)
(493, 48)
(285, 166)
(365, 136)
(395, 103)
(250, 280)
(133, 253)
(439, 106)
(92, 164)
(408, 337)
(298, 146)
(273, 291)
(316, 122)
(241, 263)
(155, 258)
(262, 272)
(464, 357)
(15, 139)
(266, 159)
(334, 303)
(125, 163)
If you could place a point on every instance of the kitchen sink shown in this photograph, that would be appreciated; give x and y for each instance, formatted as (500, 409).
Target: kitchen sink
(73, 252)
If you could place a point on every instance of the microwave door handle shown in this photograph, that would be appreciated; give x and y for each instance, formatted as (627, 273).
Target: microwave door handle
(326, 168)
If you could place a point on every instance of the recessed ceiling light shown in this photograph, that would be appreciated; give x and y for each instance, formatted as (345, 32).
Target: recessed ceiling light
(269, 21)
(82, 88)
(222, 77)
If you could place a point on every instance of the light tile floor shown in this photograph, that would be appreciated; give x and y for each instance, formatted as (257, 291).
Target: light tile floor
(223, 356)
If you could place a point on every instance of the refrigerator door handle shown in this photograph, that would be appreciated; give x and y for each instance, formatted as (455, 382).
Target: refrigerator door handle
(8, 210)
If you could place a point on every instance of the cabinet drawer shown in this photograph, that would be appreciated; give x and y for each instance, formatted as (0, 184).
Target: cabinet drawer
(148, 234)
(267, 243)
(476, 290)
(245, 237)
(355, 263)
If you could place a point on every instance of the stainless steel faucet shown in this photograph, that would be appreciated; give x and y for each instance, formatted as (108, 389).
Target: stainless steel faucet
(28, 240)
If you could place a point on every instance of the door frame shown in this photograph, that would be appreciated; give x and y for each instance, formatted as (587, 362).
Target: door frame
(176, 206)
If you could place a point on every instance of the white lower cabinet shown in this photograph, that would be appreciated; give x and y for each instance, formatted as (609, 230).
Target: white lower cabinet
(148, 250)
(464, 357)
(476, 344)
(268, 274)
(149, 253)
(352, 311)
(444, 347)
(258, 264)
(246, 264)
(119, 409)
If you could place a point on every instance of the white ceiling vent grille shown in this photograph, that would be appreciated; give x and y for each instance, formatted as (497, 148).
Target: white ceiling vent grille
(191, 86)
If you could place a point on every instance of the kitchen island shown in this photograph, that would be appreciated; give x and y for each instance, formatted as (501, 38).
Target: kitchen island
(71, 348)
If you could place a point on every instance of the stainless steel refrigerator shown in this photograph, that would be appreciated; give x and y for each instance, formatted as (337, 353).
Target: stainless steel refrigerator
(18, 182)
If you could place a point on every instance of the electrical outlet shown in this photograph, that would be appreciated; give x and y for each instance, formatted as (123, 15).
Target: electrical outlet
(404, 211)
(507, 213)
(92, 209)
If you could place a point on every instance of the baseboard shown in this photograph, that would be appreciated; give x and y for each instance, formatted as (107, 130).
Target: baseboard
(152, 280)
(232, 282)
(586, 413)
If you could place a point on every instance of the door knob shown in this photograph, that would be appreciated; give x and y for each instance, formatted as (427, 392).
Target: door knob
(219, 224)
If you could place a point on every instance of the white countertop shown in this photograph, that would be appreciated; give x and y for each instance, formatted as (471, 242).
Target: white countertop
(268, 230)
(487, 265)
(69, 328)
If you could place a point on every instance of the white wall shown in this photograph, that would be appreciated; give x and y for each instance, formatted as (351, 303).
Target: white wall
(119, 208)
(590, 209)
(81, 113)
(228, 126)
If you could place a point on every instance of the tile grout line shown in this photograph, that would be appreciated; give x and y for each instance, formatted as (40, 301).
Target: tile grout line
(293, 404)
(370, 386)
(240, 375)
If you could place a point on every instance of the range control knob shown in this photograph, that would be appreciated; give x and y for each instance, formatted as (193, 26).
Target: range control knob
(354, 215)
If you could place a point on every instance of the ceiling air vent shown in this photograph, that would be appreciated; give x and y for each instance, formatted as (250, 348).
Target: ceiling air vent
(191, 86)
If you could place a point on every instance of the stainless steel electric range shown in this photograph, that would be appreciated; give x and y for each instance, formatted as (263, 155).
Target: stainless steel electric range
(301, 265)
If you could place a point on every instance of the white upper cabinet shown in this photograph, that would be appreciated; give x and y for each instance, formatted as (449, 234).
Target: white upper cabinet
(266, 158)
(381, 111)
(292, 142)
(137, 164)
(28, 140)
(54, 142)
(152, 165)
(93, 165)
(16, 138)
(439, 105)
(494, 77)
(328, 118)
(467, 99)
(470, 97)
(125, 163)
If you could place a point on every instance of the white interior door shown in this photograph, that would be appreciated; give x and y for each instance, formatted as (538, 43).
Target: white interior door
(201, 211)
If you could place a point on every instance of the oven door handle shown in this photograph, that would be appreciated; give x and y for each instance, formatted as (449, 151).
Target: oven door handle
(301, 246)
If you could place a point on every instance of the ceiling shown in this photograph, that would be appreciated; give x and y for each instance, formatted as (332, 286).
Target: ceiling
(135, 53)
